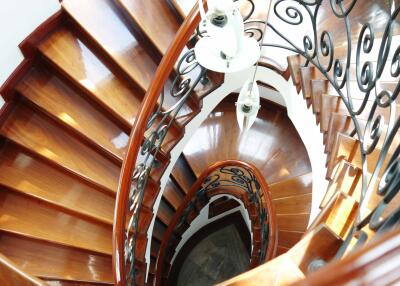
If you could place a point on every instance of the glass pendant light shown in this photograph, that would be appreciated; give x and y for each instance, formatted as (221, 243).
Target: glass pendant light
(226, 49)
(248, 102)
(247, 105)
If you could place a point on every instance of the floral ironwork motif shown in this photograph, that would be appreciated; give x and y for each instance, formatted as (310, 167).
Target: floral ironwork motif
(187, 77)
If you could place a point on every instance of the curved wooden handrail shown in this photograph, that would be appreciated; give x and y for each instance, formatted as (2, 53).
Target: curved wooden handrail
(272, 224)
(136, 137)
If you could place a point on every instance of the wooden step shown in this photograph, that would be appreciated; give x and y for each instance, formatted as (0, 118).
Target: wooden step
(74, 59)
(51, 261)
(24, 173)
(342, 215)
(293, 205)
(292, 222)
(154, 19)
(330, 104)
(32, 218)
(299, 185)
(307, 74)
(114, 37)
(183, 175)
(346, 178)
(61, 102)
(10, 274)
(318, 88)
(294, 64)
(165, 212)
(338, 214)
(182, 8)
(36, 132)
(340, 123)
(345, 147)
(289, 238)
(173, 195)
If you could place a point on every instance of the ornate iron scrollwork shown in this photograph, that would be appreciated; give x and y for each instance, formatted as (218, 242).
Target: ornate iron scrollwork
(380, 130)
(160, 122)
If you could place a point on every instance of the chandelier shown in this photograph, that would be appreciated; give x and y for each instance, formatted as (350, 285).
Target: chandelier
(227, 49)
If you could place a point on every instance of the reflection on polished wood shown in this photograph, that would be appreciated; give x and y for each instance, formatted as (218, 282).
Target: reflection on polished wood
(52, 261)
(272, 144)
(11, 275)
(114, 37)
(63, 103)
(292, 222)
(35, 219)
(294, 186)
(29, 175)
(72, 57)
(154, 19)
(36, 132)
(293, 205)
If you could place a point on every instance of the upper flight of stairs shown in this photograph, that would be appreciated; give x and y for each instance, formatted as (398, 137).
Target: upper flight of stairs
(65, 129)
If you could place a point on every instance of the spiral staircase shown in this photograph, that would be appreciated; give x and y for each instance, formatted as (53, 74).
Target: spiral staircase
(66, 131)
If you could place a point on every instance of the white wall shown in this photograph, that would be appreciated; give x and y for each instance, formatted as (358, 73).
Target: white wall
(18, 18)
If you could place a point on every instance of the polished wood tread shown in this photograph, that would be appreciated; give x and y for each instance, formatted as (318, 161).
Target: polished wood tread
(114, 37)
(89, 73)
(34, 131)
(10, 275)
(56, 98)
(291, 187)
(35, 219)
(51, 261)
(154, 19)
(22, 172)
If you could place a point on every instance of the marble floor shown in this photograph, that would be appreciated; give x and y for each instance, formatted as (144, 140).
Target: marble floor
(216, 258)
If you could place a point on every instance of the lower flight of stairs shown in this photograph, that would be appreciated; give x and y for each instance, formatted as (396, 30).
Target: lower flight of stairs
(287, 171)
